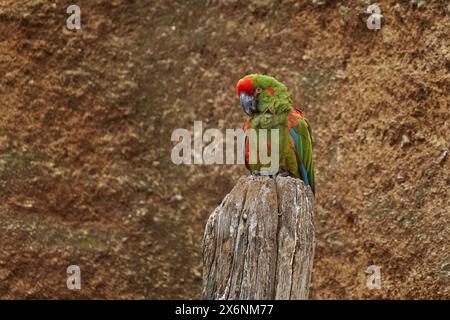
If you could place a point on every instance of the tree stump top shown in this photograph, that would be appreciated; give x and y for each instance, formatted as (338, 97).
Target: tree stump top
(259, 242)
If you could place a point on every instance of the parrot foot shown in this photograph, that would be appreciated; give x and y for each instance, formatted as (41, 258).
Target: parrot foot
(278, 173)
(256, 173)
(282, 173)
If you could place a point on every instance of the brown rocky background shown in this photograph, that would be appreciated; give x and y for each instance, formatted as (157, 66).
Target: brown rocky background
(86, 118)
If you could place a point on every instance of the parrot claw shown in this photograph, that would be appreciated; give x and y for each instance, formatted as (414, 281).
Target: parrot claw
(282, 173)
(278, 173)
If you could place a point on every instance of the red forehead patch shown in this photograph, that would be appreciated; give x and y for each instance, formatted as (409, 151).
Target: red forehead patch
(245, 85)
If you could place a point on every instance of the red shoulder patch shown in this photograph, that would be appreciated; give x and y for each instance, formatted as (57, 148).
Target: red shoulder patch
(294, 117)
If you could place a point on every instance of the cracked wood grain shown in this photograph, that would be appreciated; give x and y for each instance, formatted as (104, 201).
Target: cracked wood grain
(259, 242)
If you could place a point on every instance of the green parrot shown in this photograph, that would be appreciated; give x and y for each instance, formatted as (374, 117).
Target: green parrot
(268, 105)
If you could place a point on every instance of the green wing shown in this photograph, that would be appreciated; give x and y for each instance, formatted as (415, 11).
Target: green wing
(301, 133)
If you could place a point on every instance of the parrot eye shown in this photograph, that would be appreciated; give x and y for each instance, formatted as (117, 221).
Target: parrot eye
(258, 90)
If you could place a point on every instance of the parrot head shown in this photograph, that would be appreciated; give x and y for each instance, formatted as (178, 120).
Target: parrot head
(260, 94)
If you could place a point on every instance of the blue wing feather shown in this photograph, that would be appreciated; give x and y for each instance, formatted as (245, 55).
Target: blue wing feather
(299, 152)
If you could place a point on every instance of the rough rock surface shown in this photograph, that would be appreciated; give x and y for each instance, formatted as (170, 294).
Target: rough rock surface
(86, 118)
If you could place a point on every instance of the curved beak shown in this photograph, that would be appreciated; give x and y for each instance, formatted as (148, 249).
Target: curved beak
(249, 103)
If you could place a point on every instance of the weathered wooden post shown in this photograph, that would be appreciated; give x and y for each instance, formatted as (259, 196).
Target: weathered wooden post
(259, 243)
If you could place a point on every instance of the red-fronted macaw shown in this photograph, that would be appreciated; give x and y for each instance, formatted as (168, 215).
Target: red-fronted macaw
(268, 105)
